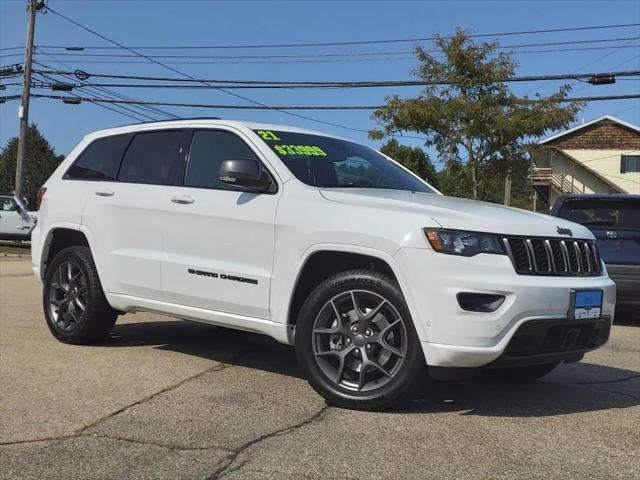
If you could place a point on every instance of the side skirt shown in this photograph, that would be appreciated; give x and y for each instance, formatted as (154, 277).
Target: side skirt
(131, 304)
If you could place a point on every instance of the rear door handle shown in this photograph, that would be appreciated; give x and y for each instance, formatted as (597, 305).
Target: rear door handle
(107, 192)
(183, 199)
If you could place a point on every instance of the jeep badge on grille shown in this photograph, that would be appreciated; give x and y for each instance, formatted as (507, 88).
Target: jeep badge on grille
(564, 231)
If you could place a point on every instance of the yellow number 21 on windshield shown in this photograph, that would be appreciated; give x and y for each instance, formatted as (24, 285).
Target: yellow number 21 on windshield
(267, 135)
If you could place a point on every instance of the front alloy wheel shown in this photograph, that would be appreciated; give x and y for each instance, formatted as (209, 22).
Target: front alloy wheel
(355, 341)
(359, 340)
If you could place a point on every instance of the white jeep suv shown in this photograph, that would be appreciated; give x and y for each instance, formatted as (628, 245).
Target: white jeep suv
(319, 242)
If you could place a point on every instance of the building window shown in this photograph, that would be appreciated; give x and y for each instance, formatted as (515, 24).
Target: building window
(630, 163)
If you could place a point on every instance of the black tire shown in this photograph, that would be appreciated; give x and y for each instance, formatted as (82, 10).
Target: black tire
(521, 374)
(369, 286)
(79, 327)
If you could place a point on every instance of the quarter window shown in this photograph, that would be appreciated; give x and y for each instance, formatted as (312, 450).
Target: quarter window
(100, 160)
(150, 158)
(208, 149)
(630, 163)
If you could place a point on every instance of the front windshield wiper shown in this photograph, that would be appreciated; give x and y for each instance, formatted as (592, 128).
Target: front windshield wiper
(344, 185)
(352, 185)
(597, 222)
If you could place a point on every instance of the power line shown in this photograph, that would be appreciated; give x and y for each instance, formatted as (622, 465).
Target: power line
(308, 107)
(587, 65)
(379, 58)
(127, 111)
(120, 110)
(334, 55)
(334, 84)
(192, 78)
(360, 42)
(110, 93)
(235, 87)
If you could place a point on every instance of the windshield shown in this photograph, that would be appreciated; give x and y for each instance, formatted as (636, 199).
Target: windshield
(619, 213)
(329, 162)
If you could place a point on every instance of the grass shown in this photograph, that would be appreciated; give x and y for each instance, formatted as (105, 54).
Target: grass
(15, 247)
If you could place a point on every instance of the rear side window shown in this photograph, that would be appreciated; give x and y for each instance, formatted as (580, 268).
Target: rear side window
(208, 149)
(100, 160)
(151, 158)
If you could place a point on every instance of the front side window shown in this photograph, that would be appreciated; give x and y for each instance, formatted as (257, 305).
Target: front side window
(150, 159)
(100, 160)
(333, 163)
(630, 163)
(604, 213)
(8, 204)
(209, 148)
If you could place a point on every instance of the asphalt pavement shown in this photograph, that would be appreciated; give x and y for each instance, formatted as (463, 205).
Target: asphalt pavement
(163, 398)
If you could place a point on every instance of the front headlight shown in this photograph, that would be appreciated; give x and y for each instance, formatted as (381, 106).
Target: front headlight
(467, 244)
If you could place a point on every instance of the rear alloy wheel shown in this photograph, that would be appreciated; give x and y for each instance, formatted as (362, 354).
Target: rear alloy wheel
(356, 342)
(67, 296)
(74, 304)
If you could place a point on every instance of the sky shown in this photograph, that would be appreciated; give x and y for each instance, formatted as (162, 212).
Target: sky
(140, 23)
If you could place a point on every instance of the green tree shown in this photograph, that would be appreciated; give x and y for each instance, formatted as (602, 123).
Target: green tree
(41, 161)
(479, 128)
(415, 159)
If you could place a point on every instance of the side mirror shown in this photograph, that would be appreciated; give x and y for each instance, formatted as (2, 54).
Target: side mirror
(23, 210)
(244, 173)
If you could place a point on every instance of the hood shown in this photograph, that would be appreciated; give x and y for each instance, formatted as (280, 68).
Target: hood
(458, 213)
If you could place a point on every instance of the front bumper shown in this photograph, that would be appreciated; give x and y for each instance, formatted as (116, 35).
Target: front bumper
(548, 341)
(453, 337)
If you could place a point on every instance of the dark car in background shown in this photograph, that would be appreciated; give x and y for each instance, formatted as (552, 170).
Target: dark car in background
(615, 222)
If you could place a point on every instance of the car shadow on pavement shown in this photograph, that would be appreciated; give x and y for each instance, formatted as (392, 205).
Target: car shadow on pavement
(571, 388)
(222, 345)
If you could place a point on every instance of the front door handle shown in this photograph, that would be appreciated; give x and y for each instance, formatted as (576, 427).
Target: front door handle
(183, 199)
(107, 192)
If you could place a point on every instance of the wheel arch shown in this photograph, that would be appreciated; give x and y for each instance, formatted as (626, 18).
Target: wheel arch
(59, 237)
(321, 261)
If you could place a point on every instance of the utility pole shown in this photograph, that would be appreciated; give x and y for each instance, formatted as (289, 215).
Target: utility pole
(23, 111)
(507, 188)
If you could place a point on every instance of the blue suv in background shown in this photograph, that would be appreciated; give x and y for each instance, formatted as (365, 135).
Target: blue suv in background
(615, 222)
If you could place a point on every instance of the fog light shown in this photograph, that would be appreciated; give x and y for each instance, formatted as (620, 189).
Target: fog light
(480, 302)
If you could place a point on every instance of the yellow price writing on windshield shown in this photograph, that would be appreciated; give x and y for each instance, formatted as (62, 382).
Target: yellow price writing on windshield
(307, 150)
(267, 135)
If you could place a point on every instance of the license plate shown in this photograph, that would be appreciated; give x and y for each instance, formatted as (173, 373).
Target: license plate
(586, 304)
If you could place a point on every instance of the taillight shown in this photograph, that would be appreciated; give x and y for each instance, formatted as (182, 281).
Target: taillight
(40, 196)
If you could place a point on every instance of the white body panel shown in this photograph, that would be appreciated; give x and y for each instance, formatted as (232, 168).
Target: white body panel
(129, 222)
(203, 264)
(144, 246)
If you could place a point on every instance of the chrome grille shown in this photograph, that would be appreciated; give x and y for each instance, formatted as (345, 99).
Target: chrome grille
(553, 256)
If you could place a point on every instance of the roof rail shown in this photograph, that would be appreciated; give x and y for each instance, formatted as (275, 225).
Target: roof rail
(171, 120)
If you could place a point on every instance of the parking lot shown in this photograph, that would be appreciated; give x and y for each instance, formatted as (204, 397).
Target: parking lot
(168, 399)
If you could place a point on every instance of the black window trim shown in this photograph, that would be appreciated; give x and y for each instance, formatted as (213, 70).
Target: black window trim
(187, 147)
(174, 160)
(66, 173)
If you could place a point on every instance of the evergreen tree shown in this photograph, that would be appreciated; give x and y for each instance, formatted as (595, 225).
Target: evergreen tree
(41, 161)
